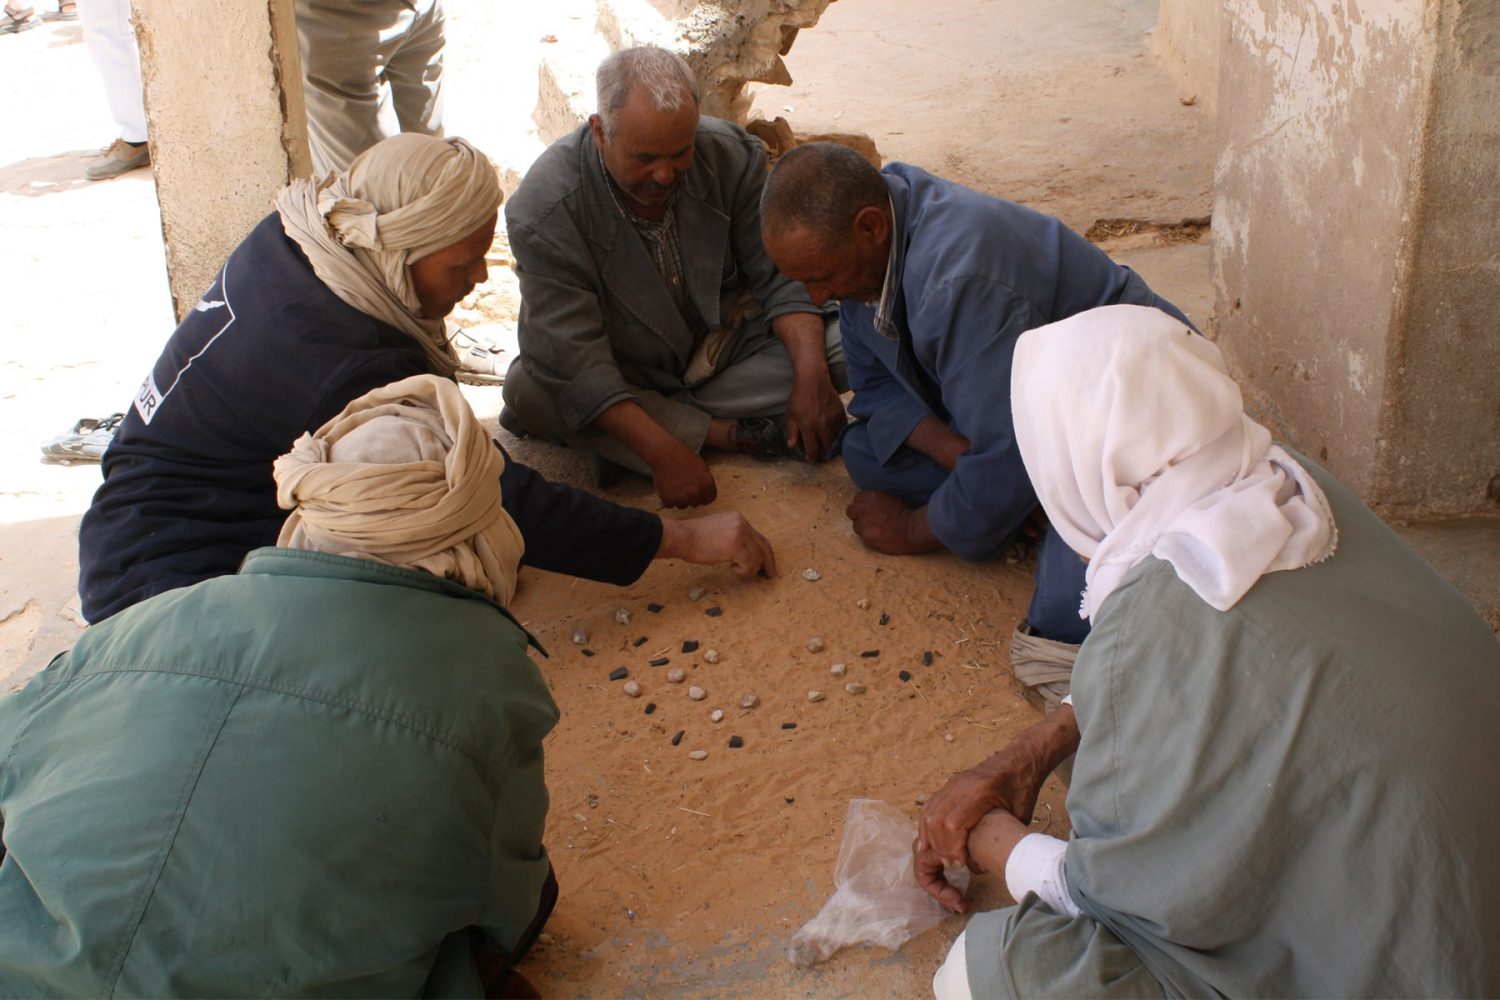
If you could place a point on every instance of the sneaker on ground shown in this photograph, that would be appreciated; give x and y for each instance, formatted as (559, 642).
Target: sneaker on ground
(86, 442)
(763, 438)
(481, 361)
(118, 158)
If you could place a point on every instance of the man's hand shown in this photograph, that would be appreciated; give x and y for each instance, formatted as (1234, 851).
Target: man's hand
(814, 412)
(1009, 780)
(938, 442)
(814, 416)
(929, 871)
(682, 479)
(718, 538)
(887, 525)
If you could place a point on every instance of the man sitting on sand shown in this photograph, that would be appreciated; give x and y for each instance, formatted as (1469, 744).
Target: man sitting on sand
(653, 325)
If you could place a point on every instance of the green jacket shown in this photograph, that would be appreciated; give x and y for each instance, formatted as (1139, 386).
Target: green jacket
(298, 780)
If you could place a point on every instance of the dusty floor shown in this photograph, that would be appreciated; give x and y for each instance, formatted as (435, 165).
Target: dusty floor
(679, 877)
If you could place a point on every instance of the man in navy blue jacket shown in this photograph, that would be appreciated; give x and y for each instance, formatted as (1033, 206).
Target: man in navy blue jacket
(935, 283)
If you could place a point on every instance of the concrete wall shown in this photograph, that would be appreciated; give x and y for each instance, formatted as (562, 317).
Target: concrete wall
(1187, 40)
(1355, 238)
(228, 125)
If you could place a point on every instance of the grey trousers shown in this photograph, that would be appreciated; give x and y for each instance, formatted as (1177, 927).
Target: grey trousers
(363, 60)
(754, 381)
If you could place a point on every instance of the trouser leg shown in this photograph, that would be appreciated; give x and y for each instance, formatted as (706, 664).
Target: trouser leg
(415, 72)
(535, 409)
(1059, 591)
(756, 379)
(909, 476)
(110, 39)
(1029, 951)
(342, 45)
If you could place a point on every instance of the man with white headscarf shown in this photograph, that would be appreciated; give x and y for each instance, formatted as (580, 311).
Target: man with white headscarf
(341, 289)
(1284, 720)
(320, 775)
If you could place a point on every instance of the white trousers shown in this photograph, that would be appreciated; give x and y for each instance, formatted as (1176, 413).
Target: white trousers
(952, 979)
(110, 38)
(361, 61)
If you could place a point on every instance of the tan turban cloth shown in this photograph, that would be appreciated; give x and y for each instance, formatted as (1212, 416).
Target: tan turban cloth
(407, 476)
(400, 200)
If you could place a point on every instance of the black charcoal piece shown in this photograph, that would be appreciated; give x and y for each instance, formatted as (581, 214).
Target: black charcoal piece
(690, 646)
(654, 608)
(639, 641)
(678, 738)
(714, 611)
(735, 742)
(619, 674)
(788, 725)
(885, 619)
(660, 661)
(650, 707)
(905, 675)
(870, 654)
(587, 652)
(927, 658)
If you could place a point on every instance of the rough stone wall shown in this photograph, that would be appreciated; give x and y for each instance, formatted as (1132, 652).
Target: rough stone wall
(1320, 120)
(727, 45)
(227, 122)
(1187, 40)
(1440, 449)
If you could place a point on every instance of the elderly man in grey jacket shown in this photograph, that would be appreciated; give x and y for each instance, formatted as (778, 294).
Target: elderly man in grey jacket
(653, 324)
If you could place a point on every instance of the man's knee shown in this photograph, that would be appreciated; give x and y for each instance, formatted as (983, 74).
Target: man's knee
(909, 475)
(531, 406)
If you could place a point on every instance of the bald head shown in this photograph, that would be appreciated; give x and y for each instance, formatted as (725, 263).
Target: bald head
(820, 187)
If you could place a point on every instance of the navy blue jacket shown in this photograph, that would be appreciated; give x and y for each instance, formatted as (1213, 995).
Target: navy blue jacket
(972, 274)
(268, 353)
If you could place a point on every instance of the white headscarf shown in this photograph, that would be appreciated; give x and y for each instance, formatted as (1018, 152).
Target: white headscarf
(405, 475)
(1137, 444)
(400, 200)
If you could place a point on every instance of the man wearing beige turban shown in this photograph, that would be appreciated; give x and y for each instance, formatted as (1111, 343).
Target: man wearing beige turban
(320, 775)
(341, 289)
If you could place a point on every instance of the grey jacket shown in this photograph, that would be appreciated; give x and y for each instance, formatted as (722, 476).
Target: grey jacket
(596, 317)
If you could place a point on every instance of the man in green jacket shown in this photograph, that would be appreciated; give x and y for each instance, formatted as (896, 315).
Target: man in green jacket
(322, 775)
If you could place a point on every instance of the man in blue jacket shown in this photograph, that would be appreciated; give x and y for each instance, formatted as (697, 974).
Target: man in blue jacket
(936, 282)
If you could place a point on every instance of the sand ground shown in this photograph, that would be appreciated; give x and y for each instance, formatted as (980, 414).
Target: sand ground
(679, 877)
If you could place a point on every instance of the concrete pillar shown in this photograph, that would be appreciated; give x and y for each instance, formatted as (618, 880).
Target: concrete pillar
(228, 126)
(1357, 239)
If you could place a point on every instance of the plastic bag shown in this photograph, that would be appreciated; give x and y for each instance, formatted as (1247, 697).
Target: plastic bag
(876, 899)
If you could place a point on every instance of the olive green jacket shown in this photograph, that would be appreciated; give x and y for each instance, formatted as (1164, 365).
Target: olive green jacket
(298, 780)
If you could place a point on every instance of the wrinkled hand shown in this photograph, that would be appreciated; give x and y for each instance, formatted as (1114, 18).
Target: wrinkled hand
(718, 538)
(683, 480)
(887, 525)
(814, 416)
(1010, 780)
(929, 871)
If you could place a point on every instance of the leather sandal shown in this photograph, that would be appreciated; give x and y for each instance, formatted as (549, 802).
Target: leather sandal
(17, 20)
(67, 10)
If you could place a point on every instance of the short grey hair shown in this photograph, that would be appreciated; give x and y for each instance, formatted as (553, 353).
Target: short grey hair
(821, 187)
(664, 74)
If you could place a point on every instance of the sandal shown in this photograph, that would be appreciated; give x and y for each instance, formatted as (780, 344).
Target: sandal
(67, 10)
(86, 442)
(17, 20)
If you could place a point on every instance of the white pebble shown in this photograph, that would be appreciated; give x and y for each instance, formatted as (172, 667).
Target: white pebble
(854, 687)
(811, 575)
(696, 593)
(697, 693)
(863, 604)
(633, 688)
(622, 616)
(750, 700)
(838, 670)
(698, 754)
(580, 636)
(717, 715)
(710, 656)
(815, 645)
(949, 737)
(815, 696)
(676, 675)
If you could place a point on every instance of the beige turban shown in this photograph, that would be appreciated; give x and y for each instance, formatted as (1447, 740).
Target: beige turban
(405, 475)
(400, 200)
